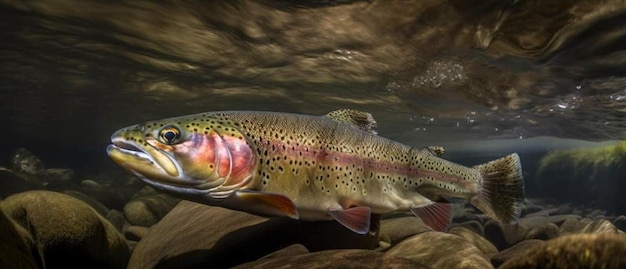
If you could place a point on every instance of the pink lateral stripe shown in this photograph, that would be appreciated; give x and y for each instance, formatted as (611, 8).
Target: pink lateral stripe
(308, 152)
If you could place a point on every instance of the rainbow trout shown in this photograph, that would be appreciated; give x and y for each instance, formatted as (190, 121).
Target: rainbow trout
(309, 167)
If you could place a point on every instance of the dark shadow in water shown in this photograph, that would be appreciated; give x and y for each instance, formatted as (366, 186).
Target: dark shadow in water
(276, 233)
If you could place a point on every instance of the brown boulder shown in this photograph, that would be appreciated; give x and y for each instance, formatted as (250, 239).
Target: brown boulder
(135, 233)
(472, 225)
(15, 252)
(194, 235)
(398, 229)
(290, 251)
(514, 251)
(351, 258)
(535, 221)
(543, 232)
(620, 222)
(573, 225)
(440, 250)
(148, 210)
(11, 183)
(574, 251)
(504, 235)
(480, 242)
(67, 230)
(600, 226)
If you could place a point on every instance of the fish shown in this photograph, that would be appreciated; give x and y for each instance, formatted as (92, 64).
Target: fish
(311, 168)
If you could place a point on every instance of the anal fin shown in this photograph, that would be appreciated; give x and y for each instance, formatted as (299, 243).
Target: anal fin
(356, 219)
(437, 216)
(272, 204)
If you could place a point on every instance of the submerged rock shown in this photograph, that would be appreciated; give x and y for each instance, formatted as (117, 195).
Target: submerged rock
(573, 226)
(148, 210)
(472, 225)
(117, 219)
(351, 258)
(600, 226)
(398, 229)
(99, 207)
(597, 213)
(15, 252)
(462, 212)
(535, 221)
(544, 213)
(135, 233)
(620, 222)
(109, 192)
(290, 251)
(440, 250)
(544, 232)
(67, 230)
(504, 235)
(514, 251)
(586, 225)
(530, 209)
(480, 242)
(60, 174)
(24, 161)
(89, 184)
(194, 235)
(11, 183)
(574, 251)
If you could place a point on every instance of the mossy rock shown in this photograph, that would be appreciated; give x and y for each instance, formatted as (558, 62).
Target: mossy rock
(67, 231)
(574, 251)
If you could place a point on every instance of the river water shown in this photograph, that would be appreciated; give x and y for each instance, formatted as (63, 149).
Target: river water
(431, 72)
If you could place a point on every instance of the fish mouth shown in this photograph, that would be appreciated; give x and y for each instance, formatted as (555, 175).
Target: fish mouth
(155, 167)
(146, 161)
(128, 148)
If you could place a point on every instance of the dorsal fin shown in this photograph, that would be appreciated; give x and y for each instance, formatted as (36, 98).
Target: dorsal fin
(436, 150)
(360, 119)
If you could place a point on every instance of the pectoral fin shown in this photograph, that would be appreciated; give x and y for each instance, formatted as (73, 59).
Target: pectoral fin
(271, 204)
(437, 216)
(356, 219)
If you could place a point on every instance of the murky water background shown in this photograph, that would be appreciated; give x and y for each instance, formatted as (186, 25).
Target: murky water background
(429, 71)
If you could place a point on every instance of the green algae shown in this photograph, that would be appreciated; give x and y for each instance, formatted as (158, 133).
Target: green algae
(590, 176)
(583, 161)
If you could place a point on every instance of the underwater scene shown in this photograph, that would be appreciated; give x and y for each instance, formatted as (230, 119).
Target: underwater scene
(313, 134)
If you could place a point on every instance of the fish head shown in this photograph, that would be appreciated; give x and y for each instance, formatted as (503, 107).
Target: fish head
(192, 157)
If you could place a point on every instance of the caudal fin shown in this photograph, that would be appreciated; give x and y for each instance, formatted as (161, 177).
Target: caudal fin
(502, 192)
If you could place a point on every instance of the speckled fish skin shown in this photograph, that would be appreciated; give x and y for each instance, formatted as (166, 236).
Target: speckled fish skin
(320, 163)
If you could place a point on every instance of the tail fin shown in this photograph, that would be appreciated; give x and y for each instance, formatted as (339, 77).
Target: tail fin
(502, 191)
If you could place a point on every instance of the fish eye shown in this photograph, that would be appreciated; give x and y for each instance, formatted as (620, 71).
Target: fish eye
(169, 134)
